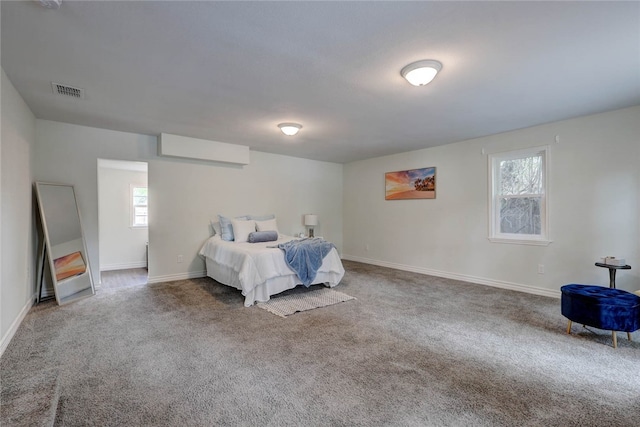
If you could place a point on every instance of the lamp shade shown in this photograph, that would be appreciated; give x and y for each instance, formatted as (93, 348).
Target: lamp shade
(311, 219)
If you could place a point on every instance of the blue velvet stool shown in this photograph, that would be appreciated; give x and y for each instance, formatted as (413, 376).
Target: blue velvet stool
(602, 308)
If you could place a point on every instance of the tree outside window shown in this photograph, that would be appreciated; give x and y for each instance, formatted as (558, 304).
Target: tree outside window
(519, 197)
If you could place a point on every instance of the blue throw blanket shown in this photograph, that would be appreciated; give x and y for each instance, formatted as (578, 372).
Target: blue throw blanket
(305, 257)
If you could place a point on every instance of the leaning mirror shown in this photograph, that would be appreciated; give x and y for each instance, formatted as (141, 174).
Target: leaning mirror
(64, 251)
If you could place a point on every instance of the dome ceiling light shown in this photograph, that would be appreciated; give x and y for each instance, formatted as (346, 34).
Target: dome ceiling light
(290, 129)
(422, 72)
(51, 4)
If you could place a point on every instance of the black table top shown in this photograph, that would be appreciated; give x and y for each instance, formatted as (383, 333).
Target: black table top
(617, 267)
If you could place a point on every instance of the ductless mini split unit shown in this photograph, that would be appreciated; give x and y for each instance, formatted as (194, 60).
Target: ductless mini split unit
(202, 149)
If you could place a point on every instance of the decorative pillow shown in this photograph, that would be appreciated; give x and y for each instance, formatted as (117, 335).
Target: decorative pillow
(262, 217)
(267, 225)
(242, 229)
(216, 228)
(263, 236)
(226, 229)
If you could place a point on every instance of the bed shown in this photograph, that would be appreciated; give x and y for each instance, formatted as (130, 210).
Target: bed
(259, 270)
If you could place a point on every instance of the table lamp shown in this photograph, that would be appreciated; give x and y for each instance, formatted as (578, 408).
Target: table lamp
(310, 220)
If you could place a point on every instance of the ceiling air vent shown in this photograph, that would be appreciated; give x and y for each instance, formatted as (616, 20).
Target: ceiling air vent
(66, 90)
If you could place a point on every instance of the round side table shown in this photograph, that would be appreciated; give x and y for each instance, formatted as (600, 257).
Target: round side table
(612, 272)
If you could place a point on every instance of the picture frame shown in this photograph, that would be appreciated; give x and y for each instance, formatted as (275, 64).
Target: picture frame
(69, 266)
(410, 184)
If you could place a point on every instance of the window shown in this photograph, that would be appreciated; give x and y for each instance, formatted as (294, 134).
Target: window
(519, 197)
(138, 206)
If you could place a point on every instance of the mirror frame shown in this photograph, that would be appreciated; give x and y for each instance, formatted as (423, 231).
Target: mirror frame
(79, 278)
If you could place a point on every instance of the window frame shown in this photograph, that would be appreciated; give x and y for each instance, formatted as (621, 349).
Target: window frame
(495, 236)
(133, 206)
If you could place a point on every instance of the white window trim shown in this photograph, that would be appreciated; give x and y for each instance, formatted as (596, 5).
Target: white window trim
(132, 211)
(494, 234)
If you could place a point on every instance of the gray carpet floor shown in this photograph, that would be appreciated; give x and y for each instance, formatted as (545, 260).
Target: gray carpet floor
(116, 279)
(412, 350)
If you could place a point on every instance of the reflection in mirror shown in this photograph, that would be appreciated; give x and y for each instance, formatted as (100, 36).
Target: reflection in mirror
(65, 247)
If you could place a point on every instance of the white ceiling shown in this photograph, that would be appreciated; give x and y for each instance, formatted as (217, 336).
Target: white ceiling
(231, 71)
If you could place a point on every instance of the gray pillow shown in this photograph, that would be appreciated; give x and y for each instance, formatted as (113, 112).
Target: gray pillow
(263, 236)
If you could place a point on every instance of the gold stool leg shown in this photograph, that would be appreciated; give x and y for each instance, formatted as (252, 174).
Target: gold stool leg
(569, 328)
(629, 336)
(615, 339)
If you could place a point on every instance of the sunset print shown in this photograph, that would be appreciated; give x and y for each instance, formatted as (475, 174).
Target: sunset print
(411, 184)
(69, 265)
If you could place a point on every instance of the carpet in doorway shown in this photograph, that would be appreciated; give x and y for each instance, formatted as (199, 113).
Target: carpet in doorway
(287, 305)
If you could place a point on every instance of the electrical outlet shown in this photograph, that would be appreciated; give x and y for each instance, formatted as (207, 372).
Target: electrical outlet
(180, 258)
(540, 268)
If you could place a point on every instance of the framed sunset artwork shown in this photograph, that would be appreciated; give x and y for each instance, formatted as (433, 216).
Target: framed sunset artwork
(410, 184)
(69, 266)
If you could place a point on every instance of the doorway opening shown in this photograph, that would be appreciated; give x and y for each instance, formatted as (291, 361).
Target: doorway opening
(123, 232)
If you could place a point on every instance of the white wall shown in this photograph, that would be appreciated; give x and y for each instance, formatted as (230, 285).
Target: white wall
(17, 253)
(185, 194)
(594, 208)
(69, 154)
(121, 245)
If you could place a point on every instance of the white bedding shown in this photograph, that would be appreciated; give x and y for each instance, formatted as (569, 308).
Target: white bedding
(259, 271)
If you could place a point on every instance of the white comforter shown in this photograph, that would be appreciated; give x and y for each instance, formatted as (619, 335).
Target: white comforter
(256, 265)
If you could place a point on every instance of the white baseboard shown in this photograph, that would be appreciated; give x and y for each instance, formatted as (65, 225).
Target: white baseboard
(123, 265)
(6, 339)
(462, 277)
(180, 276)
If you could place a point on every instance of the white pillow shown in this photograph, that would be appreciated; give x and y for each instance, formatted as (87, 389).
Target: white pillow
(241, 229)
(216, 228)
(267, 225)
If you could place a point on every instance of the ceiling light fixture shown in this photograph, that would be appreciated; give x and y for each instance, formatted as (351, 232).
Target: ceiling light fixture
(51, 4)
(290, 129)
(422, 72)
